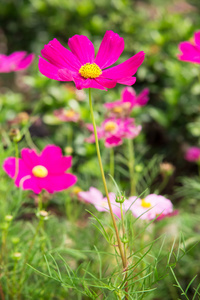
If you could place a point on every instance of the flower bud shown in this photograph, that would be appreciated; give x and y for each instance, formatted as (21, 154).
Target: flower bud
(68, 150)
(8, 218)
(120, 199)
(16, 256)
(166, 169)
(43, 214)
(15, 135)
(124, 239)
(15, 240)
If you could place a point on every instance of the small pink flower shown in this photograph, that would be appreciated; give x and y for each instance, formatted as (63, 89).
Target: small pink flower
(128, 101)
(41, 171)
(191, 50)
(193, 154)
(67, 115)
(81, 66)
(151, 206)
(16, 61)
(95, 197)
(113, 131)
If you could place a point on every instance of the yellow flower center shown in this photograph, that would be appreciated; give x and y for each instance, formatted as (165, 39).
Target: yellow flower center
(90, 71)
(117, 109)
(110, 126)
(69, 113)
(145, 204)
(40, 171)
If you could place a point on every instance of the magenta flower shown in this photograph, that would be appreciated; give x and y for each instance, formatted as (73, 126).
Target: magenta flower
(16, 61)
(193, 154)
(128, 101)
(41, 171)
(113, 131)
(95, 197)
(67, 115)
(190, 50)
(81, 66)
(151, 206)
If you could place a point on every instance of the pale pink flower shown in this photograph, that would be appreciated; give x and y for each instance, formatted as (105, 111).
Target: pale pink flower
(128, 101)
(81, 66)
(41, 171)
(95, 197)
(67, 115)
(113, 131)
(193, 154)
(16, 61)
(190, 51)
(151, 206)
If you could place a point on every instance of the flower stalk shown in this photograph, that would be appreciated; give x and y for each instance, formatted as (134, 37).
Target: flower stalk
(104, 182)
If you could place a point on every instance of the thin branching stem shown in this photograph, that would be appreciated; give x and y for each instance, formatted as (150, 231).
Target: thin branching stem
(131, 165)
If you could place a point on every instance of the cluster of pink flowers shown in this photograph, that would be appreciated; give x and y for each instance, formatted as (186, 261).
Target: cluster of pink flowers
(149, 208)
(114, 130)
(15, 62)
(128, 101)
(193, 154)
(119, 125)
(41, 171)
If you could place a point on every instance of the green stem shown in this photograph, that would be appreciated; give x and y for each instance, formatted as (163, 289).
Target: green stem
(112, 163)
(131, 166)
(164, 183)
(17, 161)
(40, 204)
(123, 230)
(104, 182)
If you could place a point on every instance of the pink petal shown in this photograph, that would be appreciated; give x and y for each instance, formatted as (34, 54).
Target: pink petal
(82, 48)
(127, 81)
(56, 183)
(9, 167)
(113, 141)
(125, 69)
(143, 97)
(26, 62)
(91, 196)
(60, 57)
(128, 95)
(106, 82)
(65, 75)
(197, 38)
(16, 57)
(111, 105)
(190, 52)
(88, 83)
(30, 183)
(52, 158)
(110, 49)
(30, 158)
(49, 70)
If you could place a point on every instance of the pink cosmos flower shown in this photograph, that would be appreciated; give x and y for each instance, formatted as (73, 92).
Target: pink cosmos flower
(81, 66)
(113, 131)
(193, 154)
(41, 171)
(67, 115)
(16, 61)
(128, 101)
(190, 50)
(151, 206)
(95, 197)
